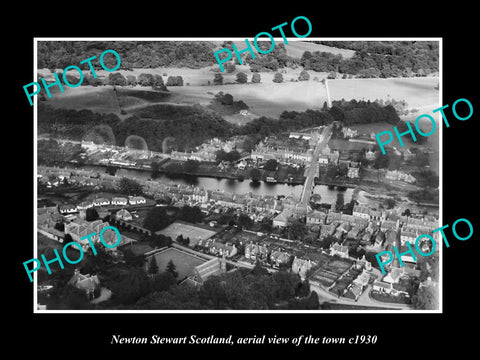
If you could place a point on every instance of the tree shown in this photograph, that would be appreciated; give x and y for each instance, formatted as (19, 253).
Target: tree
(297, 230)
(156, 219)
(60, 226)
(227, 99)
(117, 79)
(152, 266)
(244, 221)
(191, 166)
(256, 78)
(255, 174)
(218, 79)
(277, 78)
(230, 67)
(163, 281)
(192, 214)
(242, 78)
(258, 269)
(91, 214)
(303, 76)
(145, 79)
(160, 240)
(131, 80)
(389, 203)
(174, 81)
(130, 186)
(340, 202)
(158, 83)
(271, 165)
(426, 298)
(172, 269)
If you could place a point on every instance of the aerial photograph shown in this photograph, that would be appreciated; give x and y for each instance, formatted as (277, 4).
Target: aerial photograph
(169, 178)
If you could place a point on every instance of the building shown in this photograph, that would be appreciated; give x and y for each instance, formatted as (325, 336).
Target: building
(202, 272)
(87, 283)
(362, 212)
(353, 172)
(79, 229)
(315, 218)
(124, 215)
(301, 266)
(370, 155)
(119, 201)
(323, 159)
(340, 250)
(256, 252)
(279, 258)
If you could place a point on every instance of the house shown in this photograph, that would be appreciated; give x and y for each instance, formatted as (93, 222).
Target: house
(281, 220)
(340, 250)
(301, 266)
(408, 236)
(123, 214)
(135, 200)
(353, 172)
(219, 249)
(315, 217)
(86, 283)
(67, 209)
(382, 287)
(255, 251)
(323, 159)
(361, 212)
(84, 205)
(279, 258)
(101, 202)
(356, 290)
(242, 165)
(370, 155)
(119, 201)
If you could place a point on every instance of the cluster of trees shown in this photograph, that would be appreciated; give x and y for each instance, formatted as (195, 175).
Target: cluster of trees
(242, 289)
(377, 58)
(231, 156)
(362, 112)
(190, 126)
(134, 54)
(158, 218)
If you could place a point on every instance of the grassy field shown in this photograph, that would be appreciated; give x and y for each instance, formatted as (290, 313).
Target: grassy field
(419, 93)
(264, 99)
(184, 263)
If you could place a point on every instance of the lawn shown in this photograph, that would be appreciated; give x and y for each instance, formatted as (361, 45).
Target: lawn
(184, 262)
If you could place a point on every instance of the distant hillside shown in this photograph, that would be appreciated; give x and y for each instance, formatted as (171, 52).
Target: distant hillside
(134, 54)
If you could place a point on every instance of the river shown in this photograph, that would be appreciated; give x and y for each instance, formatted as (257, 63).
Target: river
(328, 194)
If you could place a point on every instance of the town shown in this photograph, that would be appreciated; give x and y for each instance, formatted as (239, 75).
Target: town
(251, 217)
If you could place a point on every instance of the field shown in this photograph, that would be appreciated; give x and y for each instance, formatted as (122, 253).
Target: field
(193, 232)
(184, 263)
(419, 93)
(264, 99)
(98, 99)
